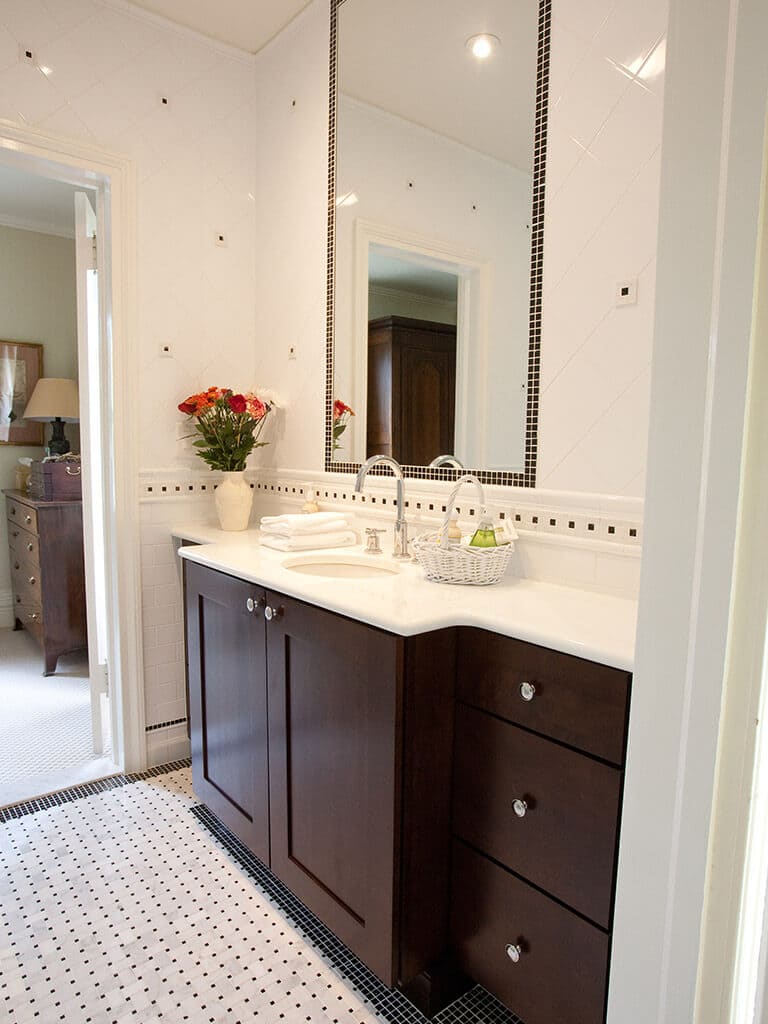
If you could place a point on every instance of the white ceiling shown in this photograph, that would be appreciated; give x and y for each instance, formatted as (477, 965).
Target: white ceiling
(408, 275)
(409, 57)
(246, 24)
(36, 204)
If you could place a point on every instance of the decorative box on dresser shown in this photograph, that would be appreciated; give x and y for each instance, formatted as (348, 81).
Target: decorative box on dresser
(47, 573)
(540, 743)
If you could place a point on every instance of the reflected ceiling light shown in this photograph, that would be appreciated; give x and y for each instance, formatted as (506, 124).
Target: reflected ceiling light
(348, 199)
(46, 70)
(483, 46)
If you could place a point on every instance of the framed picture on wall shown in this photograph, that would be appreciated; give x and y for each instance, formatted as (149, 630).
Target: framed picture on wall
(21, 366)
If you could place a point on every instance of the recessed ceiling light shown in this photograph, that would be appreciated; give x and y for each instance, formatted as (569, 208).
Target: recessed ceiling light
(483, 46)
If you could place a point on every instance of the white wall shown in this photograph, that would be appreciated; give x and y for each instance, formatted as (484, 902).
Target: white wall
(601, 213)
(459, 198)
(37, 303)
(194, 161)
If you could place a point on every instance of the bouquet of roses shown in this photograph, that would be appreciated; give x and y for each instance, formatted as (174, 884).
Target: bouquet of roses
(341, 417)
(227, 425)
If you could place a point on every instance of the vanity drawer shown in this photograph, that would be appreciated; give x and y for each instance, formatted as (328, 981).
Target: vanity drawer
(563, 836)
(572, 700)
(22, 543)
(562, 971)
(24, 515)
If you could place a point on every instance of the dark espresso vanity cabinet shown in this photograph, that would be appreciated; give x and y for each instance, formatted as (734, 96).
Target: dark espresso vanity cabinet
(448, 804)
(325, 745)
(540, 742)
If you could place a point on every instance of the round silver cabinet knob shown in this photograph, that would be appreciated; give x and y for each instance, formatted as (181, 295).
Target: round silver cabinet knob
(32, 581)
(527, 691)
(514, 952)
(520, 807)
(27, 519)
(30, 547)
(272, 613)
(250, 604)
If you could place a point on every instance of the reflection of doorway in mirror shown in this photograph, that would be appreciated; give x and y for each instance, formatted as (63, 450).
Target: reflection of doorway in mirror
(402, 274)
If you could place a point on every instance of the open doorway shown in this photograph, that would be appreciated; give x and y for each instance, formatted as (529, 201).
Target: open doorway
(56, 728)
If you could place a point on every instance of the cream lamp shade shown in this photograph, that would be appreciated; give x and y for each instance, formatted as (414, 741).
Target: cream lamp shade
(54, 398)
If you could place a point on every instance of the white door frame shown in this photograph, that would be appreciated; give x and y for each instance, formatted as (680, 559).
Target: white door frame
(714, 123)
(113, 178)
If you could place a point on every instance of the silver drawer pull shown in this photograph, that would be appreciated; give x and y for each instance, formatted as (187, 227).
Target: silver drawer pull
(272, 613)
(520, 807)
(527, 691)
(30, 547)
(249, 604)
(514, 952)
(13, 511)
(27, 519)
(16, 565)
(32, 581)
(32, 616)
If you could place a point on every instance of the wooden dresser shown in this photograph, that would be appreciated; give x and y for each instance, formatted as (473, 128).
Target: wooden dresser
(47, 573)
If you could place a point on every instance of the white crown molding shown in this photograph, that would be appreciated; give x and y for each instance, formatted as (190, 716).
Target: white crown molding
(40, 227)
(159, 21)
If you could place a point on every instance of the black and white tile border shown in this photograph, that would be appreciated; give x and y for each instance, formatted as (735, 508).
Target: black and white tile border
(68, 796)
(540, 512)
(391, 1006)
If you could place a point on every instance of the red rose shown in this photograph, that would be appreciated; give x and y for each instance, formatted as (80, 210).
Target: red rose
(339, 408)
(237, 403)
(187, 407)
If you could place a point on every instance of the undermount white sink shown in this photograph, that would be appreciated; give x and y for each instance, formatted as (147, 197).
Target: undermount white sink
(342, 567)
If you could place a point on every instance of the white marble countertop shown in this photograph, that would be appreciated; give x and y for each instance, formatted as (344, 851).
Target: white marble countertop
(590, 625)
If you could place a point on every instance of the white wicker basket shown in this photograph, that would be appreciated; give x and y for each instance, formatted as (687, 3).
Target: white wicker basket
(447, 562)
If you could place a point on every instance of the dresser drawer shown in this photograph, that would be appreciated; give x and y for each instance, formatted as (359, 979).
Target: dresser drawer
(561, 973)
(549, 813)
(572, 700)
(22, 543)
(24, 515)
(25, 581)
(29, 615)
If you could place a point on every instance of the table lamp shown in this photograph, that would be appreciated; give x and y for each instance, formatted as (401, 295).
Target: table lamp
(54, 400)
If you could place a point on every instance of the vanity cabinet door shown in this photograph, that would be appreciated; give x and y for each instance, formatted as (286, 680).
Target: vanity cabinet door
(228, 701)
(334, 706)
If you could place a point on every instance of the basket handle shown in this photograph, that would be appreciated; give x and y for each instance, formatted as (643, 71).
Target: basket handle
(466, 479)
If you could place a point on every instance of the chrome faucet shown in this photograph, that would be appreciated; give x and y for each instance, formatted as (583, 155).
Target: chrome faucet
(445, 460)
(400, 549)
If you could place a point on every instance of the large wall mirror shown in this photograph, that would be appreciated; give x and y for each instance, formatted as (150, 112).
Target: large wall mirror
(436, 205)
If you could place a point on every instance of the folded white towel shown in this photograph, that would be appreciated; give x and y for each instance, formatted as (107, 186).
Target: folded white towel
(304, 520)
(307, 543)
(299, 530)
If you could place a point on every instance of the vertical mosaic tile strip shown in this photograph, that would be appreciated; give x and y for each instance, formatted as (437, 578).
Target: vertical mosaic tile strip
(528, 477)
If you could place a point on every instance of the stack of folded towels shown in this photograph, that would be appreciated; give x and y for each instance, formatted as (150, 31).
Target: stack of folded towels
(306, 531)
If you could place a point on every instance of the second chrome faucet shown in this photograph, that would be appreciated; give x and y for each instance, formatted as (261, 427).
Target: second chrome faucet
(400, 548)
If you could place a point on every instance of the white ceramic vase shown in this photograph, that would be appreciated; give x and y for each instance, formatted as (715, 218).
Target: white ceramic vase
(234, 499)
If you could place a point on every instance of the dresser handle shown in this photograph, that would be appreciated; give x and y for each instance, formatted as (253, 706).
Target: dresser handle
(16, 565)
(520, 807)
(15, 534)
(272, 613)
(30, 547)
(27, 519)
(32, 581)
(527, 691)
(13, 511)
(32, 616)
(514, 952)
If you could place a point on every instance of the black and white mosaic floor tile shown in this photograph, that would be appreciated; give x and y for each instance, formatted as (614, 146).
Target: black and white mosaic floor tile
(134, 904)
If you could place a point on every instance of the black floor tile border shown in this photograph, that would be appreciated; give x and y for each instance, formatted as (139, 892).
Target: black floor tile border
(67, 796)
(475, 1007)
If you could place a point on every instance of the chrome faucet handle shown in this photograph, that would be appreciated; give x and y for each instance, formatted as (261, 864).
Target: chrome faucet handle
(400, 546)
(372, 546)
